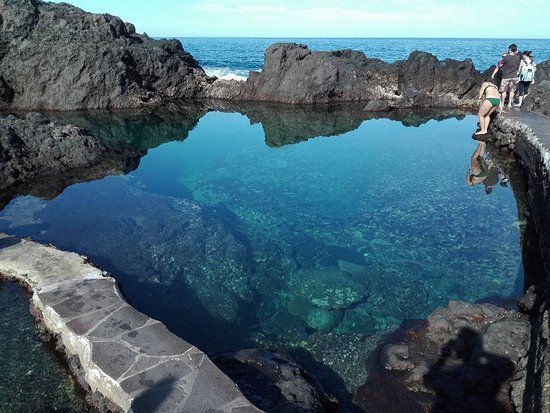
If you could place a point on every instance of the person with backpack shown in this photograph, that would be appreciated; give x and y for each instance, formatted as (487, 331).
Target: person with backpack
(527, 69)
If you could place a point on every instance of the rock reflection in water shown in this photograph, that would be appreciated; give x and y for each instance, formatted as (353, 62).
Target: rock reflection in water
(307, 247)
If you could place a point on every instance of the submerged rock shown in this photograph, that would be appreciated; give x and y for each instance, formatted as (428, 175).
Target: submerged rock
(164, 242)
(326, 288)
(58, 57)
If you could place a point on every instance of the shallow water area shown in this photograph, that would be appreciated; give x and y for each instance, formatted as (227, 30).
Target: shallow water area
(313, 230)
(32, 378)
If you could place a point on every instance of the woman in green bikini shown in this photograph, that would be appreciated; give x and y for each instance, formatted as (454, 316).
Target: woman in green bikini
(489, 99)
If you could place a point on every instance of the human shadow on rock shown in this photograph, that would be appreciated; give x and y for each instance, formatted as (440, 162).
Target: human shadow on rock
(466, 378)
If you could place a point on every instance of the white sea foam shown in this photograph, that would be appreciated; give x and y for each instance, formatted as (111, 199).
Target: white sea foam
(226, 73)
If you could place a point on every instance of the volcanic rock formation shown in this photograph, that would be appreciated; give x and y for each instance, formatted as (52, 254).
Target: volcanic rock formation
(58, 57)
(294, 74)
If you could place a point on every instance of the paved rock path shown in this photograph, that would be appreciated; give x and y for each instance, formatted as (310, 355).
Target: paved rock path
(537, 122)
(134, 361)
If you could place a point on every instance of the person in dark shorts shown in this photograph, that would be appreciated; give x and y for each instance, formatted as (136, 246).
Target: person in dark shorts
(527, 69)
(497, 74)
(510, 67)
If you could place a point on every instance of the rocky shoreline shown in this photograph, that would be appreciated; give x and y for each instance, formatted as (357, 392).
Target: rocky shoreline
(57, 57)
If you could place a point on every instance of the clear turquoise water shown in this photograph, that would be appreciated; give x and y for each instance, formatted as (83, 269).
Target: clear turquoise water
(319, 247)
(32, 379)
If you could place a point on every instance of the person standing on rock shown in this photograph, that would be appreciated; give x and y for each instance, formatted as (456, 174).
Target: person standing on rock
(497, 74)
(489, 100)
(510, 67)
(527, 70)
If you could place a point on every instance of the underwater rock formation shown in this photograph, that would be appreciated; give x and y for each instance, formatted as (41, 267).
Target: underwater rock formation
(275, 382)
(176, 247)
(58, 57)
(468, 355)
(294, 74)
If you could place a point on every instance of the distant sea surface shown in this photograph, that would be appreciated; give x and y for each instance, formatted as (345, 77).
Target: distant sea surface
(233, 58)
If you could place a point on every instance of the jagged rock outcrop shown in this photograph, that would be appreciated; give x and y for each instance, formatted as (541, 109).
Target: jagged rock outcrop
(467, 355)
(538, 99)
(58, 57)
(41, 155)
(294, 74)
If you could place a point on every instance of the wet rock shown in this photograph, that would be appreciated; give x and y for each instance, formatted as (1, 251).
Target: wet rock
(58, 57)
(468, 355)
(394, 357)
(32, 146)
(275, 382)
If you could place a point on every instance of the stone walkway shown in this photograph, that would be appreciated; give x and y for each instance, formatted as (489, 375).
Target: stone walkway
(134, 361)
(537, 122)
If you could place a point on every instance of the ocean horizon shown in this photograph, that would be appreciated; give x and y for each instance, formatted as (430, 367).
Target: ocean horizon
(235, 57)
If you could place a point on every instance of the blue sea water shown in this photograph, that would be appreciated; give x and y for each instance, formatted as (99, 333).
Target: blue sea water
(235, 238)
(235, 57)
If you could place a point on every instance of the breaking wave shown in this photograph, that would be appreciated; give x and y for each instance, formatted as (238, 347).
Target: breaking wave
(226, 73)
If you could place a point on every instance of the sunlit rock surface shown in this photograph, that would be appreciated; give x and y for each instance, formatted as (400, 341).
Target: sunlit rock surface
(58, 57)
(293, 74)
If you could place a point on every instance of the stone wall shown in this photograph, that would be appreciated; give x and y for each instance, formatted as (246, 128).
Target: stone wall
(533, 156)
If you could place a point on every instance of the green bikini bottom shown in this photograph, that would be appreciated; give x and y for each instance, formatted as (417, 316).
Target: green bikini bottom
(493, 101)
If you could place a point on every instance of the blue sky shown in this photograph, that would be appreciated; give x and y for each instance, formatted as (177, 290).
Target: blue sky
(345, 18)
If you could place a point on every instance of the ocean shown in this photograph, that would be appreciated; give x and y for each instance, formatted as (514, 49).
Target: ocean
(233, 58)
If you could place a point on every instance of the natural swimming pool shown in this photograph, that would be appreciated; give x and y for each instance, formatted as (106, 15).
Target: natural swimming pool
(237, 231)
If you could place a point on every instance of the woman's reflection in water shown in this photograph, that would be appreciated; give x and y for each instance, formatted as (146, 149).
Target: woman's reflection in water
(478, 171)
(485, 169)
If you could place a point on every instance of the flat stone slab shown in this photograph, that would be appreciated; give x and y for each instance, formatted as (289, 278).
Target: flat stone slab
(537, 122)
(132, 360)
